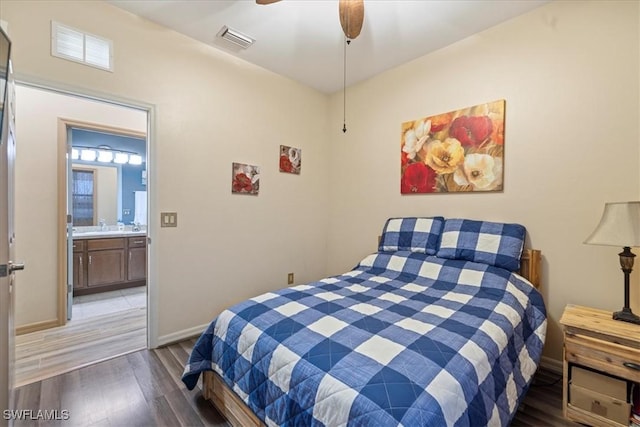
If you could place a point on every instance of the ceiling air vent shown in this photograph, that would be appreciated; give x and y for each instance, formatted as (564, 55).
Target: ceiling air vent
(235, 37)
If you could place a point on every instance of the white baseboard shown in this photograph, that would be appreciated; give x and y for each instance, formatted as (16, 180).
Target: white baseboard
(181, 335)
(552, 365)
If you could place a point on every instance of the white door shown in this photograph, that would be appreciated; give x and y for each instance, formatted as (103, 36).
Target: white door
(7, 241)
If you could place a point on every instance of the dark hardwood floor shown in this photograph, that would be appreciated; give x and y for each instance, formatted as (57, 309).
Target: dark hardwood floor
(144, 389)
(137, 389)
(542, 406)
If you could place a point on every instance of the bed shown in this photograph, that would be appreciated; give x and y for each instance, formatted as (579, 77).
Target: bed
(442, 326)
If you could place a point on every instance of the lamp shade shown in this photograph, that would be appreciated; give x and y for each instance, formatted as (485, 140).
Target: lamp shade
(619, 225)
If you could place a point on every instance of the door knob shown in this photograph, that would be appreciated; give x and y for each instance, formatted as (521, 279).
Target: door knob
(15, 266)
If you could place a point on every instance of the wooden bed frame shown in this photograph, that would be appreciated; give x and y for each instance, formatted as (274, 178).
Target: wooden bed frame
(530, 266)
(238, 413)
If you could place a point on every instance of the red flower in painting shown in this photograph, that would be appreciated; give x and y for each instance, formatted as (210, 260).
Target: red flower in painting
(471, 130)
(285, 164)
(242, 182)
(418, 178)
(404, 161)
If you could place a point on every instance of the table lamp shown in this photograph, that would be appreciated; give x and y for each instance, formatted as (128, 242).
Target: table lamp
(620, 226)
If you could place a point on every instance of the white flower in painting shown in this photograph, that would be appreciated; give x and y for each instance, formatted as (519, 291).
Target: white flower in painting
(482, 171)
(294, 157)
(415, 138)
(254, 174)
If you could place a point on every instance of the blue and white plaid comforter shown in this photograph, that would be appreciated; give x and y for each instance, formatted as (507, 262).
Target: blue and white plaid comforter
(403, 339)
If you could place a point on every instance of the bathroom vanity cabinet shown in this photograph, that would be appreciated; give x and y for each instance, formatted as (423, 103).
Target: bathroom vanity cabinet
(78, 264)
(108, 263)
(136, 258)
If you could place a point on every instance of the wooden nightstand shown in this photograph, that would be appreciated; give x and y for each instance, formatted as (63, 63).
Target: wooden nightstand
(609, 349)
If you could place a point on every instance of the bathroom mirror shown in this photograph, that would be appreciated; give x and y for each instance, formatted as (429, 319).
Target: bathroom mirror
(116, 179)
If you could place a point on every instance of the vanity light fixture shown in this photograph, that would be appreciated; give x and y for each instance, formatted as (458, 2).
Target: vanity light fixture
(88, 155)
(105, 154)
(121, 158)
(135, 159)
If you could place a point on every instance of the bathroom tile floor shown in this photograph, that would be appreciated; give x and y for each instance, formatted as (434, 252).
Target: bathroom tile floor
(87, 306)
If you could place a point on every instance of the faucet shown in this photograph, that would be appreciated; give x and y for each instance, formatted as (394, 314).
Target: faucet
(136, 226)
(103, 224)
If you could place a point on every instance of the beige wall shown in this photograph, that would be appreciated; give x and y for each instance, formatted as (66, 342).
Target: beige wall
(211, 109)
(569, 74)
(37, 114)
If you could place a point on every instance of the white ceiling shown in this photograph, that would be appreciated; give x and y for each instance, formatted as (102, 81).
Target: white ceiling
(302, 39)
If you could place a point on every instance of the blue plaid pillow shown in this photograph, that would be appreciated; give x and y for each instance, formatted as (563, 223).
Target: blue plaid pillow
(492, 243)
(411, 234)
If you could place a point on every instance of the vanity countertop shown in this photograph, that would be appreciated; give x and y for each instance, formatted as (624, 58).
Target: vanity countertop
(107, 234)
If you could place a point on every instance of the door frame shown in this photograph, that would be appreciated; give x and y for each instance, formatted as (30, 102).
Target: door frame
(7, 246)
(63, 126)
(152, 226)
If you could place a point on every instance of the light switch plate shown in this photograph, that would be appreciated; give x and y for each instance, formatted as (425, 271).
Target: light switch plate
(168, 219)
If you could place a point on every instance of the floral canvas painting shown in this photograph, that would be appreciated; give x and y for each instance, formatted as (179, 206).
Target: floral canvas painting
(290, 159)
(459, 151)
(245, 179)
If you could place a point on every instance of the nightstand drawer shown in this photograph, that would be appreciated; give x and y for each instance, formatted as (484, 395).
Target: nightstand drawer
(603, 356)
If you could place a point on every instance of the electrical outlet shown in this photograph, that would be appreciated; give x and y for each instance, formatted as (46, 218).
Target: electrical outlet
(290, 279)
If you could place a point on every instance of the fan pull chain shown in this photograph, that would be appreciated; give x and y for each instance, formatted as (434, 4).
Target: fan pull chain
(344, 88)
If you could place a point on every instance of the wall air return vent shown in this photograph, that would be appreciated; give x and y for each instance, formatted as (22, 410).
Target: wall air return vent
(235, 37)
(78, 46)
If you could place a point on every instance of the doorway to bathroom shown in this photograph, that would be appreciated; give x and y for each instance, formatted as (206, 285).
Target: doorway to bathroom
(87, 300)
(107, 219)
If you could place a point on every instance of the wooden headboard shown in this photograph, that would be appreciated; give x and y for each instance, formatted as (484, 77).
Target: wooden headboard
(530, 266)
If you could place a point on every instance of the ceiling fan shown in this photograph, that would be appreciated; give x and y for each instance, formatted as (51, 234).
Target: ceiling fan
(351, 15)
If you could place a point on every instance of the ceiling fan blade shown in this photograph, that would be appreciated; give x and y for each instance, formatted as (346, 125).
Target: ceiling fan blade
(266, 1)
(351, 17)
